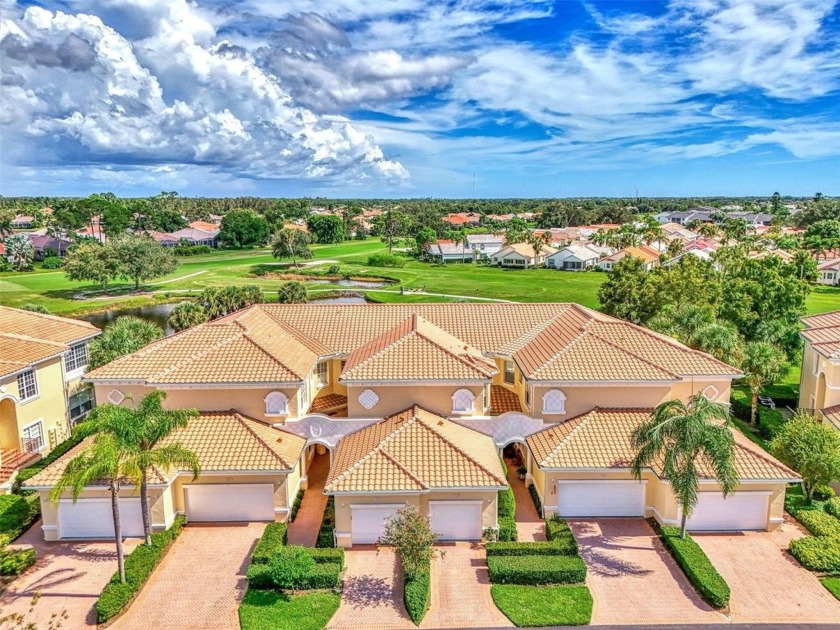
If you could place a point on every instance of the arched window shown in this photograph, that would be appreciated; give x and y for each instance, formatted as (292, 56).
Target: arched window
(554, 401)
(463, 400)
(115, 396)
(276, 404)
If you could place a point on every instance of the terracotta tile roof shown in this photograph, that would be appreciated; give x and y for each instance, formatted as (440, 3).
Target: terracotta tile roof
(417, 451)
(330, 402)
(281, 342)
(646, 254)
(416, 349)
(525, 250)
(503, 400)
(601, 438)
(823, 331)
(224, 441)
(27, 337)
(832, 414)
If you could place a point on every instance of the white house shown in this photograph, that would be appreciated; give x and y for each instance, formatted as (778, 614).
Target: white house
(447, 251)
(576, 257)
(485, 245)
(829, 272)
(521, 255)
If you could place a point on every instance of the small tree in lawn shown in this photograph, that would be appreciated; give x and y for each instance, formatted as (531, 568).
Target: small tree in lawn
(292, 293)
(763, 364)
(289, 565)
(291, 243)
(412, 539)
(19, 251)
(811, 448)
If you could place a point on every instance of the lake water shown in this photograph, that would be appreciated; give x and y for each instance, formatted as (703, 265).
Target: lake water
(157, 314)
(366, 284)
(344, 299)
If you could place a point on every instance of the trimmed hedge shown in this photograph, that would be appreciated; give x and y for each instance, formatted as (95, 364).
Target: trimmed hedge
(139, 565)
(326, 536)
(507, 503)
(557, 531)
(559, 548)
(274, 536)
(818, 553)
(832, 506)
(296, 505)
(328, 556)
(535, 497)
(536, 569)
(30, 471)
(17, 514)
(16, 561)
(322, 575)
(417, 593)
(507, 529)
(697, 567)
(819, 523)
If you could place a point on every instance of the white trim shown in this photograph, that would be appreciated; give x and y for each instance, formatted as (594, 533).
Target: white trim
(660, 518)
(642, 481)
(776, 519)
(457, 502)
(43, 434)
(113, 399)
(376, 506)
(403, 382)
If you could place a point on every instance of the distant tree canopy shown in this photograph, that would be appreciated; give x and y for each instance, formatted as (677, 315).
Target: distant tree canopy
(243, 228)
(326, 228)
(133, 257)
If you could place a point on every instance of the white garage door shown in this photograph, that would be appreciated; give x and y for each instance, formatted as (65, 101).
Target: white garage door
(600, 498)
(456, 520)
(739, 511)
(367, 522)
(230, 502)
(94, 518)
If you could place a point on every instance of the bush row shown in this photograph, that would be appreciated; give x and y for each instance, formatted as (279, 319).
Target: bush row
(321, 575)
(334, 555)
(417, 594)
(558, 548)
(17, 514)
(507, 529)
(296, 505)
(30, 471)
(535, 497)
(819, 523)
(191, 250)
(557, 531)
(326, 536)
(16, 561)
(507, 503)
(817, 553)
(536, 569)
(139, 565)
(832, 506)
(697, 567)
(274, 536)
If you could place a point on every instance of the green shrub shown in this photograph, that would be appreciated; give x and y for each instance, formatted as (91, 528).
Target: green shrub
(259, 577)
(769, 421)
(139, 565)
(296, 505)
(326, 537)
(818, 553)
(417, 594)
(507, 503)
(824, 493)
(325, 575)
(184, 249)
(557, 531)
(819, 523)
(535, 497)
(52, 262)
(14, 512)
(328, 556)
(16, 561)
(274, 537)
(536, 569)
(697, 567)
(832, 506)
(30, 471)
(555, 548)
(507, 529)
(385, 260)
(288, 566)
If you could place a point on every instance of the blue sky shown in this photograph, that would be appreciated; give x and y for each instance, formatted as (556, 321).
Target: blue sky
(418, 98)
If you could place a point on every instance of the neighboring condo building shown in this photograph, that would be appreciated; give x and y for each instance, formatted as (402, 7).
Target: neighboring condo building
(819, 384)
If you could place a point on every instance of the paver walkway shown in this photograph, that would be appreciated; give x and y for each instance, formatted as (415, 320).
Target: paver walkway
(633, 579)
(200, 582)
(372, 595)
(768, 585)
(461, 591)
(304, 529)
(529, 525)
(68, 575)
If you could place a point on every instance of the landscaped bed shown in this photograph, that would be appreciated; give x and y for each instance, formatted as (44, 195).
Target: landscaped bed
(833, 585)
(17, 514)
(533, 606)
(697, 567)
(820, 552)
(277, 610)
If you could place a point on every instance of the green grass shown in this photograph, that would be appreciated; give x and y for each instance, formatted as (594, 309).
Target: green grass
(272, 610)
(833, 585)
(535, 606)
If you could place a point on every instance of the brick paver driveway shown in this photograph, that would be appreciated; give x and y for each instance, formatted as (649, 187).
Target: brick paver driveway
(461, 591)
(372, 595)
(633, 579)
(200, 582)
(768, 585)
(68, 575)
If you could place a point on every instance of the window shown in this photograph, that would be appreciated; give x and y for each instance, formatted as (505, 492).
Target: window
(76, 358)
(554, 401)
(32, 438)
(510, 372)
(322, 375)
(463, 400)
(304, 398)
(276, 404)
(80, 403)
(27, 385)
(815, 368)
(528, 390)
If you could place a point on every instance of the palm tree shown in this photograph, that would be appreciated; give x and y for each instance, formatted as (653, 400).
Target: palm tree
(536, 243)
(681, 436)
(123, 336)
(106, 460)
(720, 340)
(144, 430)
(763, 364)
(186, 315)
(708, 230)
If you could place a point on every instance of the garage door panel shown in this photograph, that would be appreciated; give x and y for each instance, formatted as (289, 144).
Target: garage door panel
(737, 512)
(452, 520)
(229, 502)
(93, 518)
(367, 522)
(600, 499)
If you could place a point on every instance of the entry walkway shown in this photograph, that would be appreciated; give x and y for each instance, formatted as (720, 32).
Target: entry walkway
(529, 525)
(304, 529)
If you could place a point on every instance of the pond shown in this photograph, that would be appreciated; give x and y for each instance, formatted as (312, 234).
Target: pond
(342, 299)
(156, 313)
(366, 284)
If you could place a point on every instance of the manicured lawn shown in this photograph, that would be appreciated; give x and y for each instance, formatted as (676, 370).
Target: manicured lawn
(833, 585)
(273, 610)
(544, 605)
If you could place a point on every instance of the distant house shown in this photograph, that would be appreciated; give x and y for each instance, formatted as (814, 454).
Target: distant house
(94, 232)
(829, 272)
(448, 251)
(22, 222)
(194, 236)
(485, 245)
(521, 255)
(576, 257)
(648, 255)
(205, 226)
(764, 253)
(462, 219)
(49, 246)
(164, 238)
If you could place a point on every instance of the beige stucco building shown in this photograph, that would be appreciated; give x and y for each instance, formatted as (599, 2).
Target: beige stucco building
(819, 384)
(412, 405)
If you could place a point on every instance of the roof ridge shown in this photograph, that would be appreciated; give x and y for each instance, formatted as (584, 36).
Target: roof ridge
(276, 360)
(583, 420)
(634, 354)
(454, 355)
(70, 321)
(443, 438)
(381, 449)
(397, 342)
(195, 356)
(242, 421)
(48, 342)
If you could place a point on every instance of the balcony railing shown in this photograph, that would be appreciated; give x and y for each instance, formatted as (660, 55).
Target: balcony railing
(31, 445)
